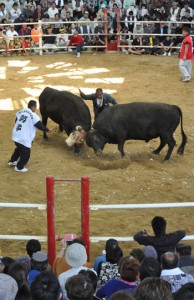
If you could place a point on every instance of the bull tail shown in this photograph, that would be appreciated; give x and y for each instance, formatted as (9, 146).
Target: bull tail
(181, 148)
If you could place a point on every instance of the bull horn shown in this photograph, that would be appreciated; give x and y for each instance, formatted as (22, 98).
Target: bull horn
(79, 128)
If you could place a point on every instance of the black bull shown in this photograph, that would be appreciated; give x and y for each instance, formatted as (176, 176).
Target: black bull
(65, 109)
(137, 121)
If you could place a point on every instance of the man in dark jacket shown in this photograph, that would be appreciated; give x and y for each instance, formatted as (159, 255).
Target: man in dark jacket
(161, 241)
(100, 100)
(162, 29)
(186, 262)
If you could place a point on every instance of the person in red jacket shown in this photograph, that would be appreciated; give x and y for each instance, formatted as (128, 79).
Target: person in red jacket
(76, 40)
(186, 55)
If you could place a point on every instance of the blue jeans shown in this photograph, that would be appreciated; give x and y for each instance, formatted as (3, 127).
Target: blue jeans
(79, 48)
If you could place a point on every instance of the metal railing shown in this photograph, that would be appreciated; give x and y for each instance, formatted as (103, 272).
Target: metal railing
(105, 35)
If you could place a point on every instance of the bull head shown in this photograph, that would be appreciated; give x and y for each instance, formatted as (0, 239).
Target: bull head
(78, 136)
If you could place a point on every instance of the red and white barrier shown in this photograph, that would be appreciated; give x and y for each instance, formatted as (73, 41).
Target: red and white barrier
(51, 237)
(85, 212)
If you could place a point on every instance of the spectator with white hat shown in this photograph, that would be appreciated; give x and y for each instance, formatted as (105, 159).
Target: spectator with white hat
(76, 257)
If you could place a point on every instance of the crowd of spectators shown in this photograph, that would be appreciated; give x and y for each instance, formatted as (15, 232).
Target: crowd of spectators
(163, 271)
(87, 19)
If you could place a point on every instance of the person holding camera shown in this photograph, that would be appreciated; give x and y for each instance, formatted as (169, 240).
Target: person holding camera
(161, 241)
(60, 264)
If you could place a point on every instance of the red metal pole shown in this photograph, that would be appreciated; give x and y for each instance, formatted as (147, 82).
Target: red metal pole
(118, 29)
(51, 241)
(85, 213)
(106, 29)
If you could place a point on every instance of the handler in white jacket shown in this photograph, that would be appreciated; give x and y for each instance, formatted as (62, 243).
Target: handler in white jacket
(23, 135)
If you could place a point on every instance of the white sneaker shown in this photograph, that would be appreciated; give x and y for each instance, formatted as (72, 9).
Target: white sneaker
(169, 53)
(70, 50)
(12, 163)
(78, 54)
(187, 78)
(22, 170)
(164, 54)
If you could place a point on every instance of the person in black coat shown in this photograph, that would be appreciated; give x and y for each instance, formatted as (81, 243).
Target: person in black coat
(161, 241)
(162, 29)
(100, 100)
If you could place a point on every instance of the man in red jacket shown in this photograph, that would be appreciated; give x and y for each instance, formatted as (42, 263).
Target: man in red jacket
(76, 40)
(186, 55)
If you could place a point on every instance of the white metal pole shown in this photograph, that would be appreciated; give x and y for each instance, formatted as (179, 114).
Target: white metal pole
(150, 205)
(23, 205)
(23, 237)
(96, 239)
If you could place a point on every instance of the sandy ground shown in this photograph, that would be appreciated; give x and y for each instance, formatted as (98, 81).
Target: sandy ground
(140, 177)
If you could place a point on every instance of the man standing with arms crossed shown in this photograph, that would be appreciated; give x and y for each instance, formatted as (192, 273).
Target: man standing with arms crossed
(23, 135)
(186, 55)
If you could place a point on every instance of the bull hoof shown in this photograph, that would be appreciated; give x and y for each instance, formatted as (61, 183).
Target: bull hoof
(77, 153)
(166, 161)
(77, 149)
(45, 138)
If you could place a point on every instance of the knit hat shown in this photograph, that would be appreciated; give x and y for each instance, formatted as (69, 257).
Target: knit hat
(24, 260)
(39, 260)
(150, 251)
(76, 255)
(8, 287)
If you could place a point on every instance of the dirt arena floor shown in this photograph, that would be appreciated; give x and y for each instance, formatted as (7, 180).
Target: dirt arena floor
(140, 177)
